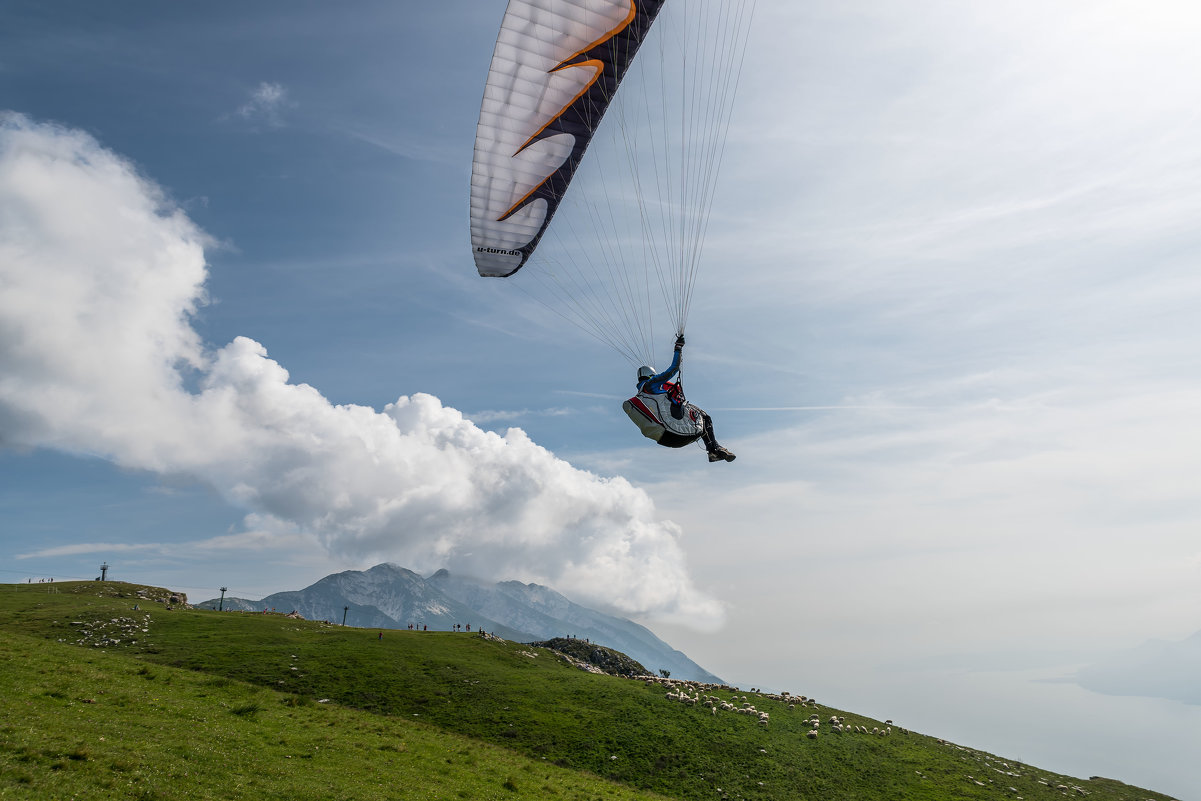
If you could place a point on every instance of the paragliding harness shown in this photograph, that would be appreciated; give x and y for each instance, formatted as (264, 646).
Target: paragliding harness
(667, 418)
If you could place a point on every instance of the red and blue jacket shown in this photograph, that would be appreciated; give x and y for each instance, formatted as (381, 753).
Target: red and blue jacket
(660, 385)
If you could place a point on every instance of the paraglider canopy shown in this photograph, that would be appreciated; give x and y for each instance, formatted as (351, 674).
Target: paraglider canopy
(627, 240)
(556, 67)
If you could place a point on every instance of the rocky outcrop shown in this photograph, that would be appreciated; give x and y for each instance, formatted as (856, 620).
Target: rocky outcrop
(606, 660)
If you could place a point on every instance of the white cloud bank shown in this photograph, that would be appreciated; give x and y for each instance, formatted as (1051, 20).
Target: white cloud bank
(100, 277)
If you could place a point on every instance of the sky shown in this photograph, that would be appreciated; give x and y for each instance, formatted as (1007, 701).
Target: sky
(946, 319)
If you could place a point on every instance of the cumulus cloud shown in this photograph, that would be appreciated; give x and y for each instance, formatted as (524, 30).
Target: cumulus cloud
(101, 278)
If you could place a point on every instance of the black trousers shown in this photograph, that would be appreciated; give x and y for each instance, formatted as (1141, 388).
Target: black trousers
(707, 435)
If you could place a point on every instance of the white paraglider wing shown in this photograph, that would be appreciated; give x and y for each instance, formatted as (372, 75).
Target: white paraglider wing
(556, 66)
(622, 257)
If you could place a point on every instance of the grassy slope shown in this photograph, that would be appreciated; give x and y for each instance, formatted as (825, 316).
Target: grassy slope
(222, 705)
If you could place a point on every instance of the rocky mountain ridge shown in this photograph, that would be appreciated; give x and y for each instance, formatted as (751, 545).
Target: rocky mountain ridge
(389, 596)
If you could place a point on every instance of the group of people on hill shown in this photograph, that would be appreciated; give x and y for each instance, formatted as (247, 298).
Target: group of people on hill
(425, 627)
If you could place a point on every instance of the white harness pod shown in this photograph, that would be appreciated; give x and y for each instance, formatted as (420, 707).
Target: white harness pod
(652, 414)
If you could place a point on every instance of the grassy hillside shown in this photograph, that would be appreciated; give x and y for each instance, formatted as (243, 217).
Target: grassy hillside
(99, 700)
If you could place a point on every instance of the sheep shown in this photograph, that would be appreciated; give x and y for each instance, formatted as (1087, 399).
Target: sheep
(812, 735)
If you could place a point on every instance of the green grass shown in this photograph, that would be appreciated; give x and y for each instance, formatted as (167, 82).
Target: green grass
(232, 705)
(90, 724)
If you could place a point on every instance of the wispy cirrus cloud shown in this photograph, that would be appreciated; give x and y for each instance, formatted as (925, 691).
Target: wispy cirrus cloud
(497, 415)
(260, 535)
(80, 548)
(266, 105)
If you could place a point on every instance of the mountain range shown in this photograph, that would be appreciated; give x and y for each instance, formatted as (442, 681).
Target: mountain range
(1156, 669)
(389, 596)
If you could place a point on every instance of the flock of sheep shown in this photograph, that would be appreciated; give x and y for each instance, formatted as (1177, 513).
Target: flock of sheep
(989, 762)
(700, 694)
(103, 633)
(704, 695)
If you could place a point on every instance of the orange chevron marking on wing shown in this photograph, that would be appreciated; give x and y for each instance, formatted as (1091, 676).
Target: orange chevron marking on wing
(598, 68)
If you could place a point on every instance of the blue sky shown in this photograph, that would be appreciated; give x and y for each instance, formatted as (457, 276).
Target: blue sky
(946, 320)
